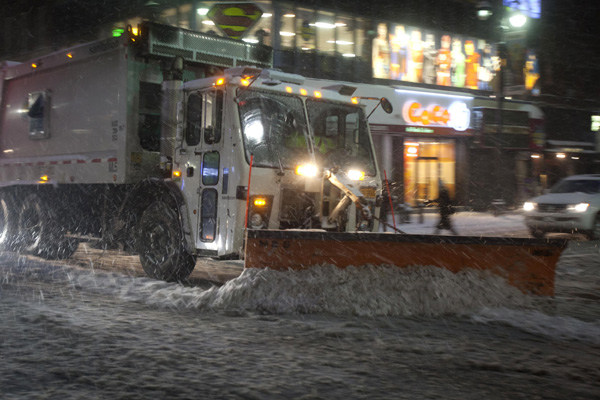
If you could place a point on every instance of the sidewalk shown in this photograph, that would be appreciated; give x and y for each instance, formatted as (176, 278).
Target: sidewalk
(467, 223)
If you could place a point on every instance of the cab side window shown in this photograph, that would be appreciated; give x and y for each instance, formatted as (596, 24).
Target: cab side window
(213, 117)
(193, 129)
(204, 114)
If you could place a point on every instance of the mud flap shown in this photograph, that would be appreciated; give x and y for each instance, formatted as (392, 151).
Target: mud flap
(527, 264)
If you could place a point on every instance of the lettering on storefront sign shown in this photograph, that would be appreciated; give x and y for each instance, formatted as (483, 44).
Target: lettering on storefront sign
(416, 129)
(456, 116)
(234, 19)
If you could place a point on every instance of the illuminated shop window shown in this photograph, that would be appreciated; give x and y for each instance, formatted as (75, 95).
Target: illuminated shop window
(185, 16)
(359, 34)
(168, 17)
(287, 33)
(177, 16)
(595, 123)
(306, 31)
(345, 37)
(253, 27)
(326, 27)
(202, 22)
(261, 31)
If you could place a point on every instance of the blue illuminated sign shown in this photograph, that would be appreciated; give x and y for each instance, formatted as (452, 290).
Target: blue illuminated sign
(531, 8)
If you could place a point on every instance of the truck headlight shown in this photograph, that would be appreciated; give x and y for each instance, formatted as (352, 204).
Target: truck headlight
(529, 206)
(581, 207)
(356, 175)
(308, 170)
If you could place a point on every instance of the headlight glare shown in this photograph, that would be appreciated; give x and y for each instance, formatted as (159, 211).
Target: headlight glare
(581, 207)
(306, 170)
(529, 206)
(356, 175)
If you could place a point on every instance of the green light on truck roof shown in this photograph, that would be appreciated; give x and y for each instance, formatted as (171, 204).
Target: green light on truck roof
(118, 32)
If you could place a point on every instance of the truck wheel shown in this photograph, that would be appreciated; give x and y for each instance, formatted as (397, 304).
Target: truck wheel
(161, 246)
(8, 224)
(594, 233)
(39, 232)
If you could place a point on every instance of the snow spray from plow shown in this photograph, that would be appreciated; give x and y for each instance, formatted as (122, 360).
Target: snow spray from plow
(527, 264)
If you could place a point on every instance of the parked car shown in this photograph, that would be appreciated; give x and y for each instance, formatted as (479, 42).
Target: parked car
(572, 205)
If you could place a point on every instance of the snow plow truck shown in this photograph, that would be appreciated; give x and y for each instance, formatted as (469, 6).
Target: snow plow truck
(176, 144)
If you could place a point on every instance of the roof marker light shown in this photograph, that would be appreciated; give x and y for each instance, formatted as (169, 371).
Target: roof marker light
(318, 94)
(220, 81)
(355, 100)
(288, 89)
(303, 92)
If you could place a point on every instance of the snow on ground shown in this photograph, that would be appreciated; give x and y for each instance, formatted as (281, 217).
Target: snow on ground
(362, 291)
(86, 331)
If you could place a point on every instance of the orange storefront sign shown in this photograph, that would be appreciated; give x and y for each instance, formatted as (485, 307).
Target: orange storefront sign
(415, 113)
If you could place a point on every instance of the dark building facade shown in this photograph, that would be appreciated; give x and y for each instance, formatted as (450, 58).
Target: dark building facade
(419, 46)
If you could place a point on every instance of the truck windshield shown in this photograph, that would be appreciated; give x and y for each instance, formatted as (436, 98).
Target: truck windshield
(340, 135)
(274, 129)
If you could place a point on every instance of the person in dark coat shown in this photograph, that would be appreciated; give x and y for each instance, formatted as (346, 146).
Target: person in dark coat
(446, 210)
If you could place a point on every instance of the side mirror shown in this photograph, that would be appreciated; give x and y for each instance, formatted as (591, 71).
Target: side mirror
(386, 105)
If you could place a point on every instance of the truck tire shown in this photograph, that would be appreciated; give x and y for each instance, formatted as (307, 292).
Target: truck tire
(161, 246)
(8, 223)
(40, 233)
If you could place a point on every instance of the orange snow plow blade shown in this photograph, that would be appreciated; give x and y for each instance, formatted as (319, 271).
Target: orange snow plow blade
(527, 264)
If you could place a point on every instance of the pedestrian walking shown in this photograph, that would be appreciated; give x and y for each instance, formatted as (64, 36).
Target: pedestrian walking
(446, 210)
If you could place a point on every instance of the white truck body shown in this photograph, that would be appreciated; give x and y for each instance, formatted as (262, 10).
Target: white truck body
(118, 139)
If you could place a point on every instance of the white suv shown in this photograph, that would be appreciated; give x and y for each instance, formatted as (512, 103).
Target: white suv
(572, 205)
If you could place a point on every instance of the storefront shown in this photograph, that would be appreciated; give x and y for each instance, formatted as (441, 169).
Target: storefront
(442, 129)
(423, 142)
(563, 158)
(509, 140)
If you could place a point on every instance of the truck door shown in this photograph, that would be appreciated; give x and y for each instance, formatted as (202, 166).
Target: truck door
(203, 159)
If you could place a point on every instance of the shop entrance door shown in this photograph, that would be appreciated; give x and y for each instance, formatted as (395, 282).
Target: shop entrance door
(426, 177)
(426, 162)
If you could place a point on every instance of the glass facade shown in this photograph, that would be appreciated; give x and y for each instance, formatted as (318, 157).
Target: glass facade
(334, 45)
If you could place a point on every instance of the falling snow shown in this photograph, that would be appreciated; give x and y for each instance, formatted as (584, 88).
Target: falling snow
(96, 327)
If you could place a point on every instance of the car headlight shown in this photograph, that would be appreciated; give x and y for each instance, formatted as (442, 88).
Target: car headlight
(529, 206)
(581, 207)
